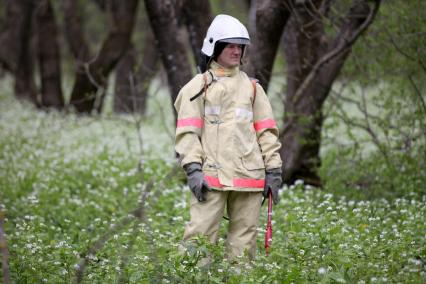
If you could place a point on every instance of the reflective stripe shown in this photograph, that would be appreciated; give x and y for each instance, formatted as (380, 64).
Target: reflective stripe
(196, 122)
(243, 113)
(267, 123)
(212, 110)
(237, 182)
(212, 181)
(249, 182)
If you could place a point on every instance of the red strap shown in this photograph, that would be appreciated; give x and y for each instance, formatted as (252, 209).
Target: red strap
(253, 82)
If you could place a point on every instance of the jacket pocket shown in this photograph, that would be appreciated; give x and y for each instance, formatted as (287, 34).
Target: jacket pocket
(253, 161)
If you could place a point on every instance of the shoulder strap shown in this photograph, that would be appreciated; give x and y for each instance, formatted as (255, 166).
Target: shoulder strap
(205, 82)
(254, 82)
(205, 86)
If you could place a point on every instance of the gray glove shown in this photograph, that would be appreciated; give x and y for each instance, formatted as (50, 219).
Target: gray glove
(196, 181)
(273, 183)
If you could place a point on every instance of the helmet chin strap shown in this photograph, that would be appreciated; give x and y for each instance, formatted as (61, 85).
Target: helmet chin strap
(209, 62)
(242, 54)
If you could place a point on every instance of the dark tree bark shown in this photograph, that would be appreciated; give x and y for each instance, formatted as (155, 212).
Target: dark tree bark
(313, 65)
(11, 33)
(270, 18)
(84, 95)
(302, 42)
(74, 33)
(48, 56)
(133, 77)
(125, 98)
(133, 80)
(15, 51)
(76, 40)
(197, 15)
(162, 16)
(147, 69)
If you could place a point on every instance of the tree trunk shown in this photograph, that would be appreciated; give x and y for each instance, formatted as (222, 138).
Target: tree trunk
(12, 31)
(84, 95)
(313, 65)
(147, 69)
(49, 56)
(15, 51)
(302, 41)
(162, 16)
(74, 33)
(197, 15)
(270, 18)
(125, 99)
(133, 80)
(133, 98)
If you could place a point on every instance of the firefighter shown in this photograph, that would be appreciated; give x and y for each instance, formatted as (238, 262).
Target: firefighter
(227, 142)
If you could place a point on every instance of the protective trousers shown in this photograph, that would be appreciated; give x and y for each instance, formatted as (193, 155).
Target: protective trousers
(243, 209)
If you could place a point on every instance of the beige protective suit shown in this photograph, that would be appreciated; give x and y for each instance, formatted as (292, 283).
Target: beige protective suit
(231, 132)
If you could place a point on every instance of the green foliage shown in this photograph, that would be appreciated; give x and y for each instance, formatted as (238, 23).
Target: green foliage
(374, 141)
(393, 47)
(68, 182)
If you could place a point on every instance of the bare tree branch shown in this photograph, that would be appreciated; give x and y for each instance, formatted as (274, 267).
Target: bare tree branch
(139, 213)
(339, 95)
(136, 216)
(170, 133)
(343, 44)
(270, 18)
(405, 54)
(122, 16)
(417, 92)
(366, 127)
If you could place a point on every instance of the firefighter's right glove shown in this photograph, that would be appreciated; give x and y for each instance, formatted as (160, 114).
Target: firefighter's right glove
(196, 181)
(273, 181)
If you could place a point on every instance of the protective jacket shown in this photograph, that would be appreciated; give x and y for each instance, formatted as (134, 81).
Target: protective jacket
(229, 129)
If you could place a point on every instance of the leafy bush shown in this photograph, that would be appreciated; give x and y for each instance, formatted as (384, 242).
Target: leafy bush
(374, 144)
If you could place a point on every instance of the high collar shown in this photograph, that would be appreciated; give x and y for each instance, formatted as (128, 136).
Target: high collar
(220, 71)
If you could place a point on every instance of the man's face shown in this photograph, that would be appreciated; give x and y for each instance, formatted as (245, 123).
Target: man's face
(231, 55)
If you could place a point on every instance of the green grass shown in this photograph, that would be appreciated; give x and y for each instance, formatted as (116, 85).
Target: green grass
(67, 182)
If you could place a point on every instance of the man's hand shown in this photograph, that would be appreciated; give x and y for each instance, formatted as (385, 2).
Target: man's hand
(273, 183)
(196, 181)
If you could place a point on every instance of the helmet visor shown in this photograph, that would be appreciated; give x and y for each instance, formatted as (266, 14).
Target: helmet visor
(236, 40)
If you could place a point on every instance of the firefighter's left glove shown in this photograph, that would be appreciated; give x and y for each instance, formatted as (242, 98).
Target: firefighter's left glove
(196, 181)
(273, 183)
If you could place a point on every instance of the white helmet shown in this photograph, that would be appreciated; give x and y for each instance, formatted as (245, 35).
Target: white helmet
(224, 28)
